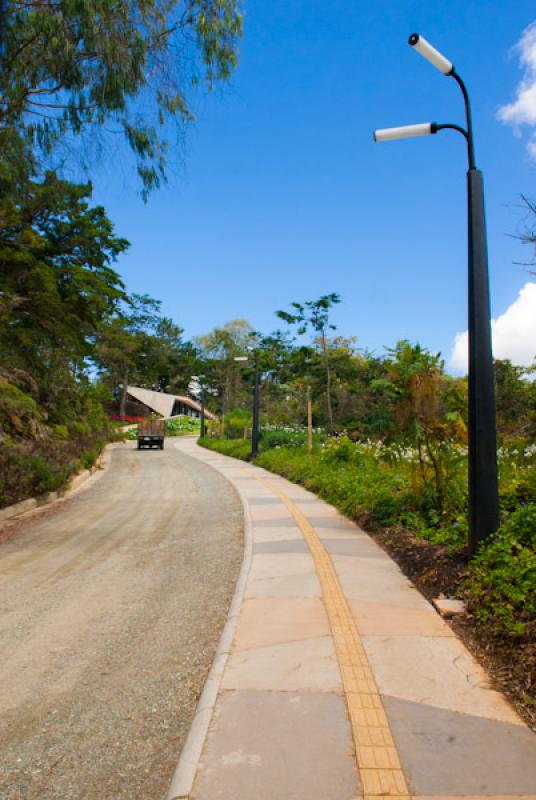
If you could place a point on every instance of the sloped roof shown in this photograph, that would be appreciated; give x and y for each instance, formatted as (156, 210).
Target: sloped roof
(162, 402)
(193, 404)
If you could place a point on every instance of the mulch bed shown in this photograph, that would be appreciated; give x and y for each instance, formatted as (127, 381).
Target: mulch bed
(511, 664)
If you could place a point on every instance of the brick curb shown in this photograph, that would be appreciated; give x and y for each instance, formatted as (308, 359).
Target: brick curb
(184, 776)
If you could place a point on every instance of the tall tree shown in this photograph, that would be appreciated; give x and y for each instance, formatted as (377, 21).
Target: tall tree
(422, 409)
(314, 315)
(219, 349)
(57, 284)
(121, 339)
(127, 66)
(516, 399)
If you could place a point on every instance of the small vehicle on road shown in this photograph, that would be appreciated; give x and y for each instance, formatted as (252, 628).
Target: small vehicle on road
(151, 433)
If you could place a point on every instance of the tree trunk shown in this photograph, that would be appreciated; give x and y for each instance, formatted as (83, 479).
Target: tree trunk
(421, 460)
(328, 378)
(437, 475)
(309, 422)
(123, 401)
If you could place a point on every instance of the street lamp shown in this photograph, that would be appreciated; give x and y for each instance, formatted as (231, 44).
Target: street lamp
(202, 399)
(483, 484)
(256, 403)
(200, 380)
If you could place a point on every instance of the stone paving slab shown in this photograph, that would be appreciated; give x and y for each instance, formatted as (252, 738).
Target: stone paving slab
(377, 585)
(281, 546)
(447, 753)
(264, 512)
(276, 746)
(306, 664)
(270, 566)
(276, 534)
(266, 621)
(436, 671)
(341, 681)
(359, 546)
(293, 585)
(378, 619)
(256, 499)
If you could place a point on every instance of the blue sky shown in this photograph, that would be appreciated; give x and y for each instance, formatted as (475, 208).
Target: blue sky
(282, 195)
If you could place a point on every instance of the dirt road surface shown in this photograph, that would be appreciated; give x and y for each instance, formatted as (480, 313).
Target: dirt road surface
(110, 612)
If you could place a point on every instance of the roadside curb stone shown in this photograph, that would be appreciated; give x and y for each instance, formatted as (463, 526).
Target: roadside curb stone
(186, 770)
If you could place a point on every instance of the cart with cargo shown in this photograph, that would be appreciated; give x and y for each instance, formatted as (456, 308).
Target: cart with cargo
(151, 433)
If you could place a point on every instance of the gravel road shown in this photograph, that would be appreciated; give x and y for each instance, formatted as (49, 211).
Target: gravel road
(111, 610)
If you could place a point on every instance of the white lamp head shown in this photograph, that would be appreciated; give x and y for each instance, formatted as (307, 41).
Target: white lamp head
(241, 358)
(405, 132)
(431, 54)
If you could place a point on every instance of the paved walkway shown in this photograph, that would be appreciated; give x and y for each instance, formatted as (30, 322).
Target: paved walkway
(342, 682)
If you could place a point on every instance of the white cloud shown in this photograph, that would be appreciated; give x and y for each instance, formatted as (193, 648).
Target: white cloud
(523, 110)
(513, 333)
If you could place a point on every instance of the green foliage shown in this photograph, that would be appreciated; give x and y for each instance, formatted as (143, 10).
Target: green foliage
(223, 375)
(501, 589)
(237, 422)
(19, 412)
(516, 401)
(24, 475)
(39, 452)
(70, 67)
(314, 315)
(61, 431)
(287, 437)
(88, 458)
(182, 426)
(235, 448)
(56, 282)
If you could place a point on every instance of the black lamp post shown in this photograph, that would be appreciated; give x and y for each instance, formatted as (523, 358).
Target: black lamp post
(202, 399)
(256, 402)
(200, 392)
(483, 482)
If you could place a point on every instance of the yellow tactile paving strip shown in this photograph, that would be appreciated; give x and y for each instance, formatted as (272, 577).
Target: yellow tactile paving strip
(376, 754)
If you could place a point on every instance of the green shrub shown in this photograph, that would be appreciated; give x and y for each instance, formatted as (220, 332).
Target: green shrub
(89, 458)
(235, 448)
(61, 431)
(287, 437)
(25, 475)
(182, 426)
(501, 589)
(80, 429)
(385, 509)
(20, 415)
(236, 422)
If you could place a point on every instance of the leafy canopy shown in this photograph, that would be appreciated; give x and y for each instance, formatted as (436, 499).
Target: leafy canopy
(71, 64)
(56, 279)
